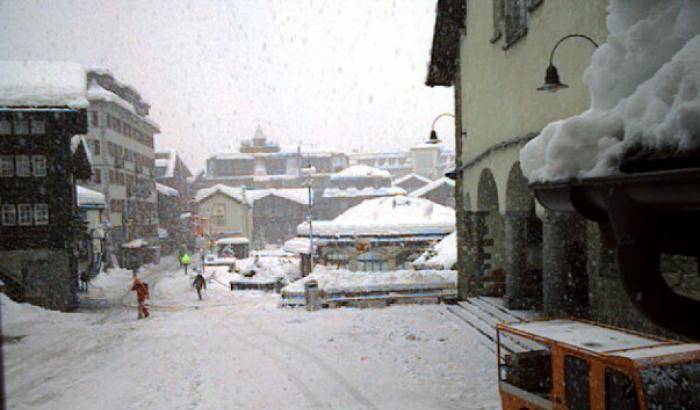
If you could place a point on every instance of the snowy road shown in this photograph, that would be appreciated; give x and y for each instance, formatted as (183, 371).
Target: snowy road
(238, 350)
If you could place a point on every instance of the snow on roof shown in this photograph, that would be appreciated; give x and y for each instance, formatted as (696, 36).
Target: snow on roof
(233, 155)
(76, 141)
(299, 245)
(167, 163)
(368, 191)
(237, 240)
(585, 335)
(412, 176)
(166, 190)
(42, 84)
(298, 195)
(643, 84)
(422, 191)
(87, 196)
(334, 280)
(235, 193)
(442, 256)
(663, 350)
(361, 171)
(96, 92)
(397, 215)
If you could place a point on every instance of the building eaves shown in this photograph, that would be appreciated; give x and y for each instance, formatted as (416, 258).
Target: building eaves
(449, 23)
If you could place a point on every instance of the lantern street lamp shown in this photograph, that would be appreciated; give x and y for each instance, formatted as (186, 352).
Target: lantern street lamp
(433, 134)
(552, 82)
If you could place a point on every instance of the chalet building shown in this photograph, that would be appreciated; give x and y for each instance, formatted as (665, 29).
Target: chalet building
(411, 182)
(499, 50)
(379, 234)
(171, 171)
(91, 208)
(440, 191)
(121, 138)
(350, 187)
(262, 164)
(276, 214)
(228, 211)
(42, 107)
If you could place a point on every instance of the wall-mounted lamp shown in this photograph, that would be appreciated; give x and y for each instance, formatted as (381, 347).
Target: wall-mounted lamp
(433, 134)
(552, 82)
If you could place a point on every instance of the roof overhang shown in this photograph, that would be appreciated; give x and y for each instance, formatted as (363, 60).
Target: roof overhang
(450, 22)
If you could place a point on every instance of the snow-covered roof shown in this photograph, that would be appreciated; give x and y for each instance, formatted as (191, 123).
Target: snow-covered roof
(584, 335)
(166, 190)
(232, 155)
(234, 240)
(76, 141)
(368, 191)
(361, 171)
(643, 84)
(397, 215)
(422, 191)
(89, 197)
(298, 195)
(298, 245)
(235, 193)
(167, 163)
(96, 92)
(412, 176)
(42, 84)
(442, 256)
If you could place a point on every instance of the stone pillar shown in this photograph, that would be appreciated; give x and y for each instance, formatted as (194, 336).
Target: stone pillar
(516, 260)
(475, 250)
(465, 276)
(563, 236)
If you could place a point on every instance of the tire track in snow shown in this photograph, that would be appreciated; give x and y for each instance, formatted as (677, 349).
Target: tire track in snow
(325, 367)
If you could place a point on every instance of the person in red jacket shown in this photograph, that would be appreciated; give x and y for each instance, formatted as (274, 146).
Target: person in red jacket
(141, 290)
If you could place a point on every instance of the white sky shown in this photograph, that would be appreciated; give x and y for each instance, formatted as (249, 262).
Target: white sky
(347, 74)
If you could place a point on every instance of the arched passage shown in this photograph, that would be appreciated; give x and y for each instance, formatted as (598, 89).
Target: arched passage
(523, 244)
(488, 234)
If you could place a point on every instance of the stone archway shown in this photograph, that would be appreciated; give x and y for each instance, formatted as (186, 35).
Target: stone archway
(488, 234)
(523, 244)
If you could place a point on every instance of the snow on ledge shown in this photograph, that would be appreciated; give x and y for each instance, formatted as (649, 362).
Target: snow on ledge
(643, 83)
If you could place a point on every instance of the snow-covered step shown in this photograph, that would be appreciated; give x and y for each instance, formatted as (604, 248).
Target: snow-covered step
(500, 314)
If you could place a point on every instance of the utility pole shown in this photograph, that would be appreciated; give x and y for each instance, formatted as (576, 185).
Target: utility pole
(310, 218)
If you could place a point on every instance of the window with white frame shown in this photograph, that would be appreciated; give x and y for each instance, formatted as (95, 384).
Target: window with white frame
(9, 215)
(372, 262)
(219, 214)
(25, 214)
(39, 165)
(7, 166)
(41, 214)
(24, 168)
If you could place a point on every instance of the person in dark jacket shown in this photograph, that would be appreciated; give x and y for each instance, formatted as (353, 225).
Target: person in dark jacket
(199, 284)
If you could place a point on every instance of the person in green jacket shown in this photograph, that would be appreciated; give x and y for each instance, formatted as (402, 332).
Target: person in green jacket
(185, 261)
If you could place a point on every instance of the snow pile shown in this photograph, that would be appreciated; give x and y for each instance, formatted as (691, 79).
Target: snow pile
(398, 215)
(87, 196)
(341, 280)
(298, 245)
(442, 256)
(166, 190)
(426, 189)
(268, 269)
(361, 171)
(644, 84)
(42, 83)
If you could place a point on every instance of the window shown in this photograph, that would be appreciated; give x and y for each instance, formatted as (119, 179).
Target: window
(39, 165)
(9, 215)
(372, 262)
(577, 387)
(41, 214)
(337, 260)
(620, 393)
(21, 127)
(219, 215)
(95, 119)
(7, 166)
(38, 127)
(515, 19)
(24, 169)
(97, 177)
(25, 214)
(5, 127)
(96, 147)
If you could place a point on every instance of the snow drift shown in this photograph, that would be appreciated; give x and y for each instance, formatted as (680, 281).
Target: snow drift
(644, 84)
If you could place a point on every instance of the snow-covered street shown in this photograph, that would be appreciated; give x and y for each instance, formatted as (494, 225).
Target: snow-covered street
(239, 350)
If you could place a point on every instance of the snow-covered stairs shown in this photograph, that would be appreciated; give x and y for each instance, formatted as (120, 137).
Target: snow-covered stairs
(483, 314)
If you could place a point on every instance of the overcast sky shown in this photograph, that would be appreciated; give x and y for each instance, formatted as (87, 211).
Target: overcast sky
(338, 73)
